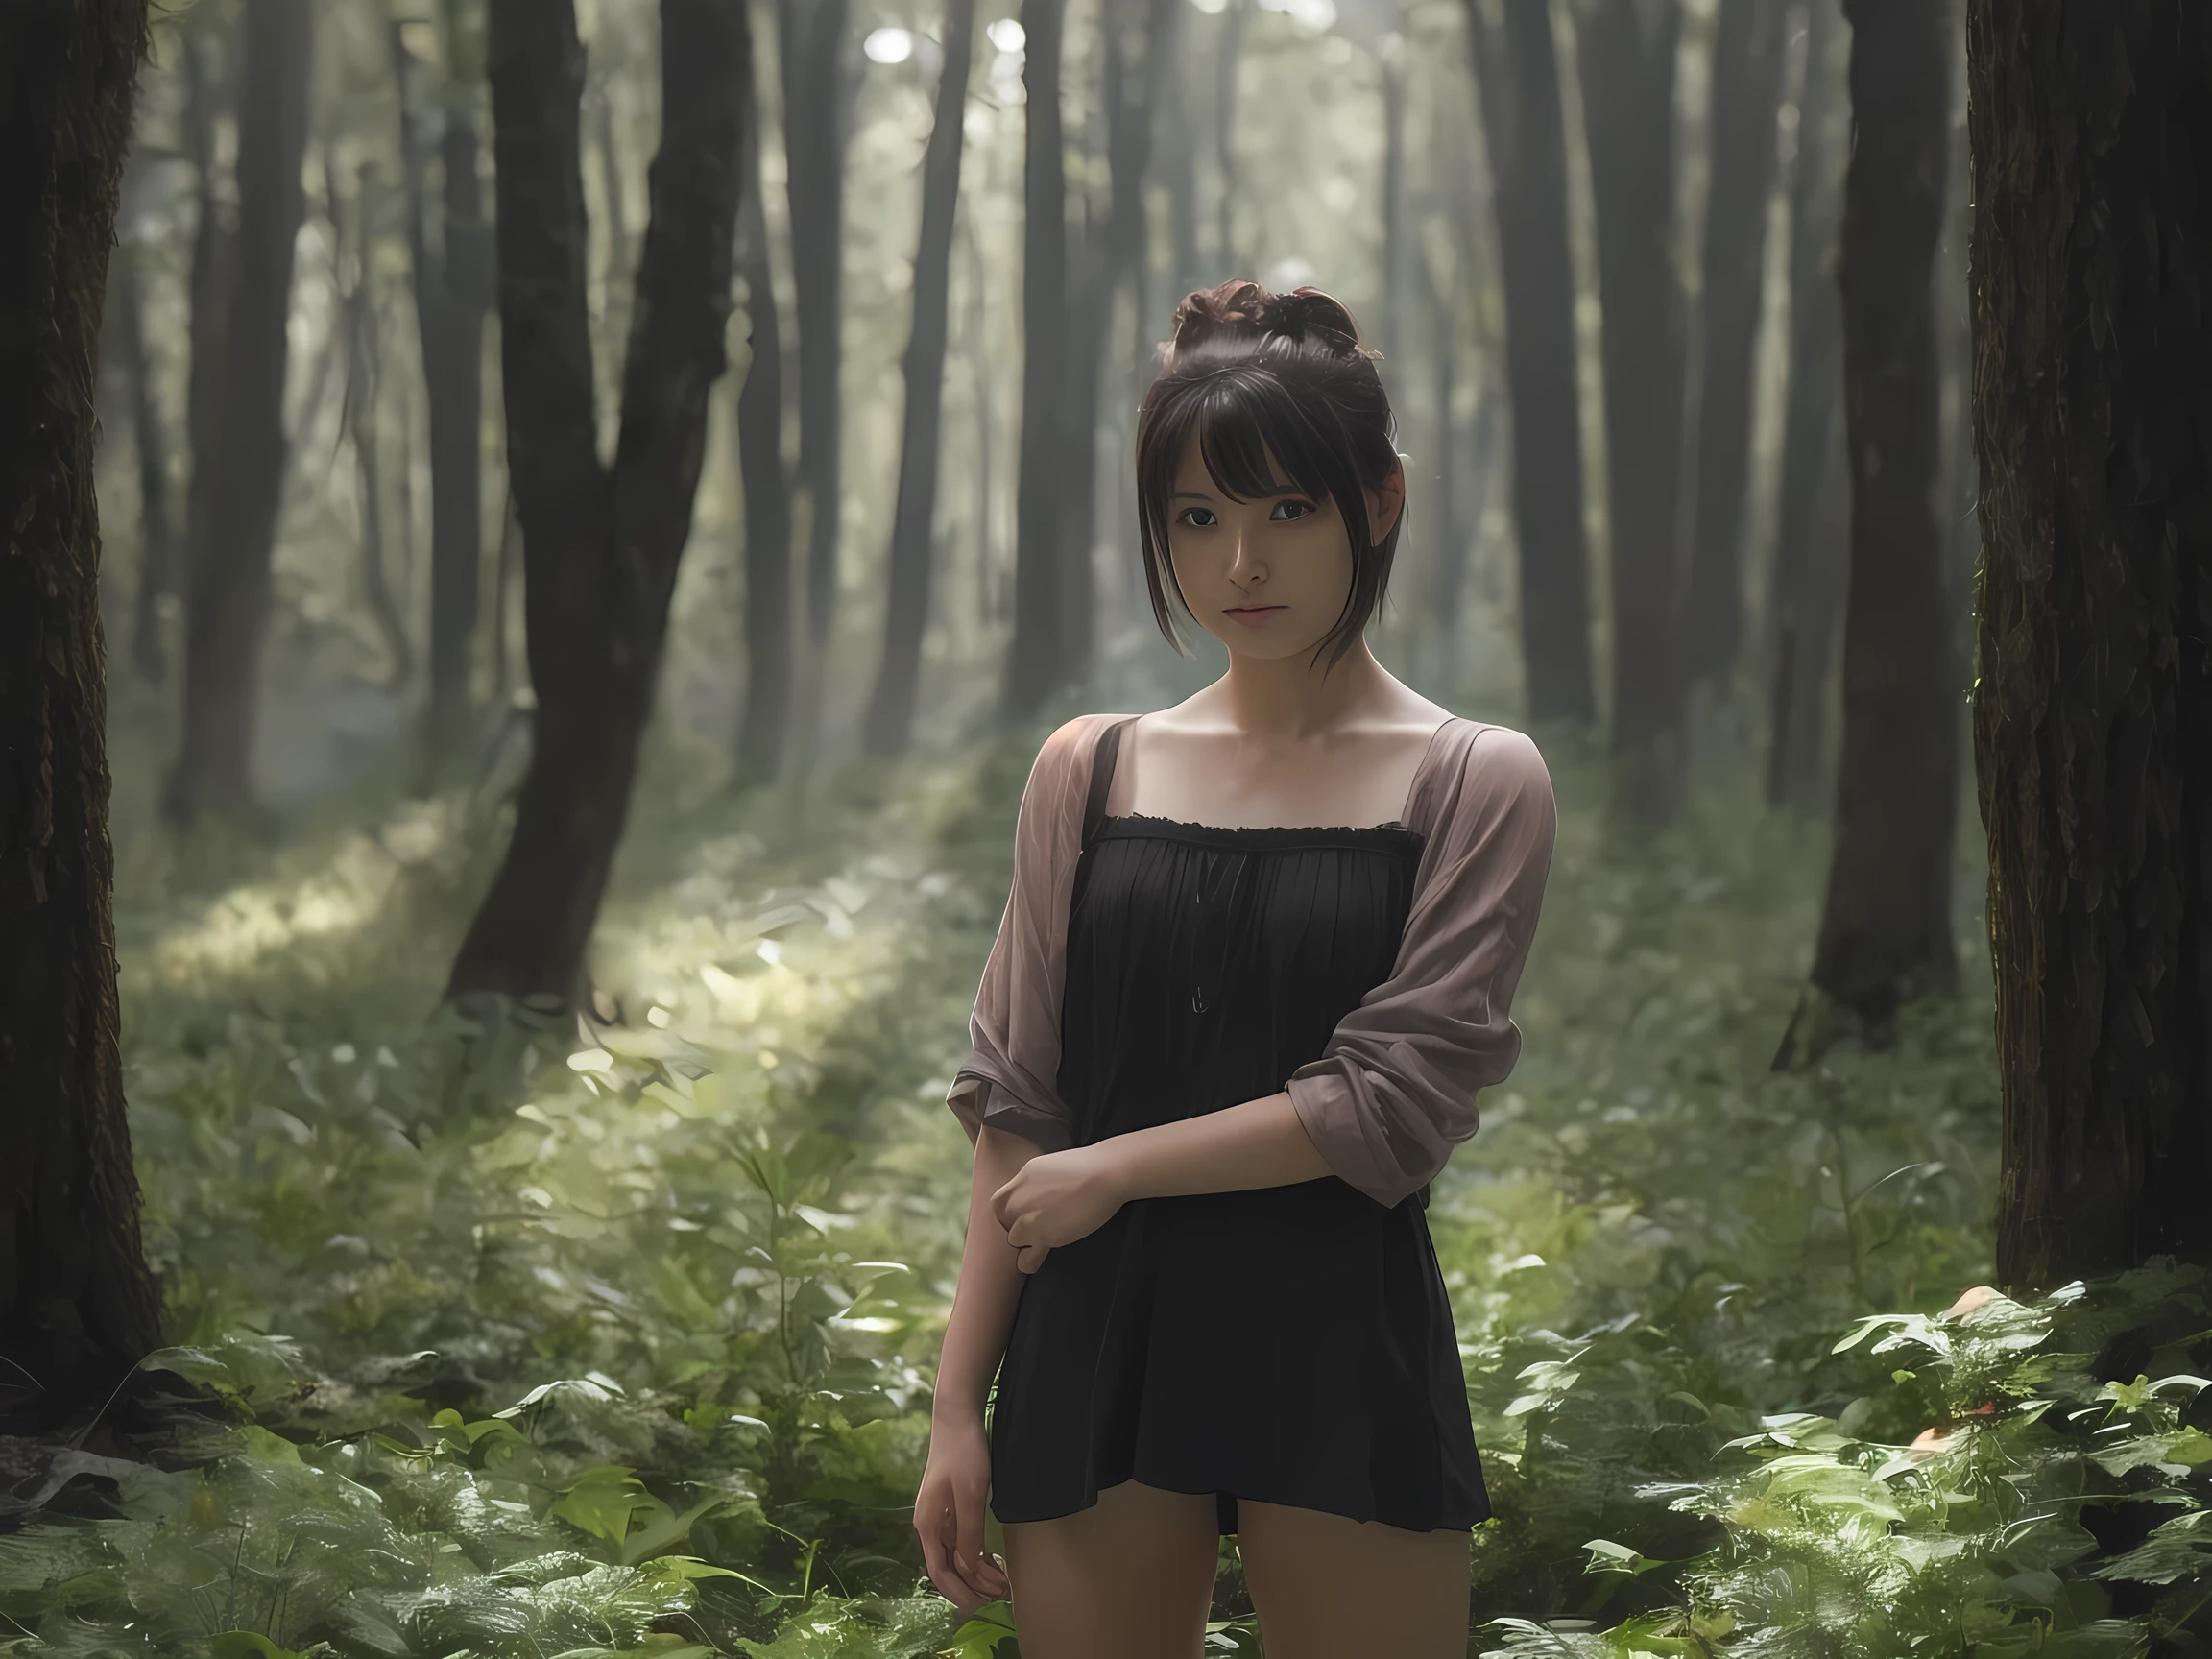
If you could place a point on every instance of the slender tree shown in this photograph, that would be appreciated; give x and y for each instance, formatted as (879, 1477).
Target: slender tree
(1813, 538)
(769, 619)
(452, 295)
(363, 371)
(244, 447)
(78, 1306)
(149, 434)
(890, 722)
(1628, 50)
(2092, 136)
(210, 76)
(1748, 59)
(1035, 668)
(810, 40)
(600, 544)
(1885, 931)
(1516, 70)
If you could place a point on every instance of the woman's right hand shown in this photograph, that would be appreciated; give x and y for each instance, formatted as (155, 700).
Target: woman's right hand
(949, 1514)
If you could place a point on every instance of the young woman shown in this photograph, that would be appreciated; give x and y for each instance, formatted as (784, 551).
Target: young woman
(1258, 961)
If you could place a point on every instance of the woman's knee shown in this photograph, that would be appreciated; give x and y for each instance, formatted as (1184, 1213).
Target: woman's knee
(1130, 1577)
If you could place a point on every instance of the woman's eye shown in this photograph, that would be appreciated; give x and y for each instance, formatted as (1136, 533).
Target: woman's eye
(1197, 517)
(1292, 510)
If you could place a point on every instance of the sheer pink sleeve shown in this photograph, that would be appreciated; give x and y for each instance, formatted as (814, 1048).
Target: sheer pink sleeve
(1009, 1078)
(1395, 1089)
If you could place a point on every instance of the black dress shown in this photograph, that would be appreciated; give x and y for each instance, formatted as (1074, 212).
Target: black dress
(1289, 1344)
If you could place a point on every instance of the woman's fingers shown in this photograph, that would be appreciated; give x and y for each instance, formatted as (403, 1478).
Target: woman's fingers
(978, 1568)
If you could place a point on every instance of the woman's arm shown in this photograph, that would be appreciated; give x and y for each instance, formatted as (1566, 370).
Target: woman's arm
(949, 1509)
(1064, 1196)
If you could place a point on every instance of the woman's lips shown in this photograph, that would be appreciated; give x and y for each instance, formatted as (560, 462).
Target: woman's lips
(1254, 615)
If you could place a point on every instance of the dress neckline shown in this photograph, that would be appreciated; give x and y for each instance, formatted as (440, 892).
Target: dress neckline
(1391, 837)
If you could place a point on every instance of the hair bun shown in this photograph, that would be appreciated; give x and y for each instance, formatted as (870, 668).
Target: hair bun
(1242, 309)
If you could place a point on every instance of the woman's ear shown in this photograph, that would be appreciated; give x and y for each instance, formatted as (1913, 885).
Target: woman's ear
(1385, 503)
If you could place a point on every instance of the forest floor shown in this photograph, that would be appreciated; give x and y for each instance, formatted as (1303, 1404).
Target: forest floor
(532, 1342)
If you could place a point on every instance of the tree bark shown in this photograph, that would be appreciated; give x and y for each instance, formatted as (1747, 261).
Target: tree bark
(1807, 552)
(1516, 69)
(600, 544)
(1228, 67)
(890, 722)
(1747, 53)
(157, 520)
(812, 40)
(1885, 931)
(452, 294)
(214, 275)
(1627, 51)
(1034, 665)
(78, 1306)
(245, 452)
(2092, 138)
(769, 619)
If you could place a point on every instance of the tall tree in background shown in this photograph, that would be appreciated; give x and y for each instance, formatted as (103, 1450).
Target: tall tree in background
(1748, 59)
(2092, 136)
(1516, 70)
(210, 64)
(890, 722)
(810, 40)
(769, 619)
(1035, 668)
(1627, 51)
(78, 1306)
(452, 294)
(150, 436)
(362, 325)
(242, 449)
(600, 544)
(1813, 536)
(1885, 931)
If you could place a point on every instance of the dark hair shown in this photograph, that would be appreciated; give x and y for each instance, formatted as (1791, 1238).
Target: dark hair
(1256, 374)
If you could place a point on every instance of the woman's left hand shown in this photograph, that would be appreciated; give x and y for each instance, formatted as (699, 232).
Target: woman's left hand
(1056, 1198)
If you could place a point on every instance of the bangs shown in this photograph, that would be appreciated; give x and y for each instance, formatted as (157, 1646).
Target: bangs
(1246, 416)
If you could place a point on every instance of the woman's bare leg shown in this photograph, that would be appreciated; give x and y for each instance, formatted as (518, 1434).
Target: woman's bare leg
(1326, 1587)
(1130, 1577)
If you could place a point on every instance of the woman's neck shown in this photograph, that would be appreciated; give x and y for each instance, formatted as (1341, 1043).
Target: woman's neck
(1297, 697)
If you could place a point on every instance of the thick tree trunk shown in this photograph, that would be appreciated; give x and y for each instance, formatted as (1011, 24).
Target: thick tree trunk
(1516, 68)
(890, 723)
(228, 608)
(1809, 551)
(1034, 665)
(1747, 53)
(2092, 135)
(1627, 51)
(600, 545)
(452, 293)
(78, 1306)
(812, 40)
(770, 621)
(157, 518)
(1885, 932)
(1228, 68)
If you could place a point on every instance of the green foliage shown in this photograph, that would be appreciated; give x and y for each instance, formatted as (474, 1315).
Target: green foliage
(508, 1340)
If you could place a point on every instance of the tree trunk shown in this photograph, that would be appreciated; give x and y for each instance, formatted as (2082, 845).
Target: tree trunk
(1747, 53)
(811, 39)
(1392, 67)
(769, 619)
(1516, 68)
(600, 545)
(1226, 70)
(1885, 932)
(214, 275)
(229, 608)
(1171, 43)
(364, 369)
(1034, 665)
(890, 723)
(1808, 551)
(2092, 135)
(78, 1306)
(452, 293)
(1627, 60)
(157, 520)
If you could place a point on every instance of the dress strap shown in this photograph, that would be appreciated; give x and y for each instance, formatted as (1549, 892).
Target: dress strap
(1102, 760)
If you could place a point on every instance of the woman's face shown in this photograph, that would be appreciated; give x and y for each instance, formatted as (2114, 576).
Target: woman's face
(1266, 577)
